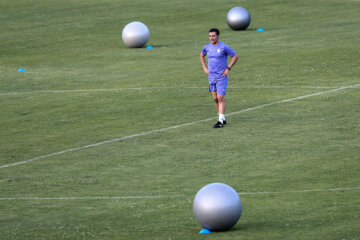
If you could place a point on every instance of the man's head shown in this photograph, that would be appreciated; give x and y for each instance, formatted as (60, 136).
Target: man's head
(214, 35)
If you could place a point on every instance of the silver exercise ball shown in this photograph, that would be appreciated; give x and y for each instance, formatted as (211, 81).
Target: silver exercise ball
(217, 207)
(238, 18)
(135, 34)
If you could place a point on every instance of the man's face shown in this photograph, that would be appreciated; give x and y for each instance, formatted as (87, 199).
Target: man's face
(213, 38)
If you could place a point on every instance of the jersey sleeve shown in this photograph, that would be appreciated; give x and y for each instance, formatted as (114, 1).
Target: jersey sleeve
(204, 51)
(229, 51)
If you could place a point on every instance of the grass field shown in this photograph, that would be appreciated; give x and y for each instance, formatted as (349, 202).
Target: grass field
(99, 141)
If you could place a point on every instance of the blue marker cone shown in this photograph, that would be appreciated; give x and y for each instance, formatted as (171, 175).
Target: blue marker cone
(149, 47)
(22, 70)
(260, 30)
(205, 231)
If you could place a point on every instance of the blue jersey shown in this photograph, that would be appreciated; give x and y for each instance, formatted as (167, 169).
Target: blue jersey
(217, 60)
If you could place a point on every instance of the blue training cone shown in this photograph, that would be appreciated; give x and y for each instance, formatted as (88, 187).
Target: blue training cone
(22, 70)
(205, 231)
(149, 47)
(260, 30)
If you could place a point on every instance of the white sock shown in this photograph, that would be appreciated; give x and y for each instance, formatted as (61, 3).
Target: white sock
(221, 118)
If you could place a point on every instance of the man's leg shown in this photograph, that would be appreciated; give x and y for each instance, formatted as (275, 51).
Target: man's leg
(221, 91)
(218, 94)
(222, 107)
(215, 98)
(221, 104)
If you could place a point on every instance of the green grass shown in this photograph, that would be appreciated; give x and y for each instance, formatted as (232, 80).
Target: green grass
(84, 86)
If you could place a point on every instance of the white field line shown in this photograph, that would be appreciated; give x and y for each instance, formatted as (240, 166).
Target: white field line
(152, 88)
(303, 191)
(173, 196)
(87, 90)
(176, 126)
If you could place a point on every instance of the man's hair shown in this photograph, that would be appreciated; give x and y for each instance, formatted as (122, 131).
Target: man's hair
(215, 30)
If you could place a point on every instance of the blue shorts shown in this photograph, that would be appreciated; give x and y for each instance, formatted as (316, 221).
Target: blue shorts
(219, 87)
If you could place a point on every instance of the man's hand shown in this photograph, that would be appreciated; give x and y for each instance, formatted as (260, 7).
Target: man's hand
(225, 73)
(206, 71)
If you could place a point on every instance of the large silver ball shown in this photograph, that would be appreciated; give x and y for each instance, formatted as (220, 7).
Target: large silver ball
(217, 207)
(238, 18)
(135, 34)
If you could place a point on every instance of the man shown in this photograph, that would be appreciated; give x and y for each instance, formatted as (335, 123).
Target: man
(218, 70)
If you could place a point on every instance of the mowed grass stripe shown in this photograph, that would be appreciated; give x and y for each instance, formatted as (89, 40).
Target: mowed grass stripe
(172, 196)
(174, 127)
(152, 88)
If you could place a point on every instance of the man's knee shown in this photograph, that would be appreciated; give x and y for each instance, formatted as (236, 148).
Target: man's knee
(220, 98)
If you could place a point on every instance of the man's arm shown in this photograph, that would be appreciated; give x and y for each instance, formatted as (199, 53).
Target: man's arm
(231, 64)
(202, 60)
(233, 60)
